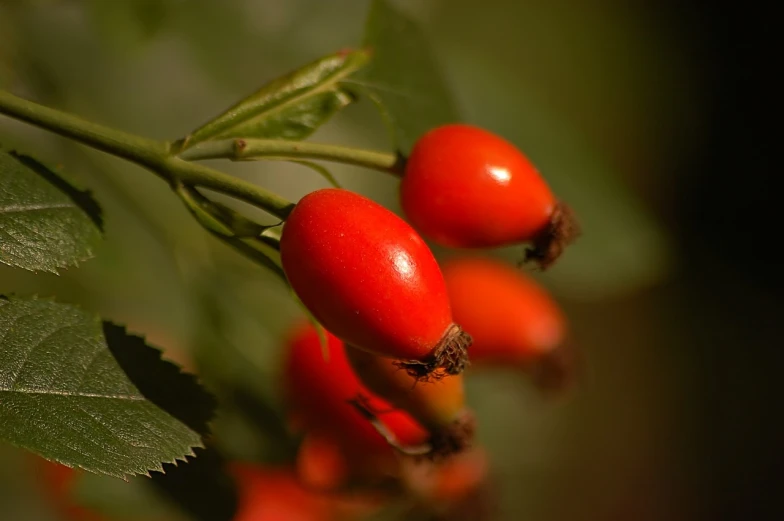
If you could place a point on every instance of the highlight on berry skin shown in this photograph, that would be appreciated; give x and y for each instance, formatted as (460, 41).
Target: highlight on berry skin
(334, 238)
(465, 187)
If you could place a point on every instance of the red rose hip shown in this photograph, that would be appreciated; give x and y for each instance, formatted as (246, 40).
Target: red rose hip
(513, 320)
(466, 187)
(341, 443)
(371, 280)
(319, 390)
(272, 494)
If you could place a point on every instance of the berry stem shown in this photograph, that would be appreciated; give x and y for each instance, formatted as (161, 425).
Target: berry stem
(250, 149)
(153, 155)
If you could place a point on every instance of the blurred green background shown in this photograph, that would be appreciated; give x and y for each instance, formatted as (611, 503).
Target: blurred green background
(648, 117)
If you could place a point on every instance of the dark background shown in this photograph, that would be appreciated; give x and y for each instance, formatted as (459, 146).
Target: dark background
(727, 218)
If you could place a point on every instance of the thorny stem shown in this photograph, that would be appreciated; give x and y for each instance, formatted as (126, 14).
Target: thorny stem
(249, 149)
(152, 155)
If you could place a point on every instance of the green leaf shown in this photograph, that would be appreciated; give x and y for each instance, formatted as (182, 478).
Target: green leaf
(244, 235)
(160, 381)
(320, 170)
(291, 107)
(45, 223)
(218, 218)
(85, 393)
(404, 75)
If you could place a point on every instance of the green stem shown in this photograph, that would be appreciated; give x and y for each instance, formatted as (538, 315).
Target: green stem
(137, 149)
(261, 245)
(245, 149)
(200, 175)
(152, 155)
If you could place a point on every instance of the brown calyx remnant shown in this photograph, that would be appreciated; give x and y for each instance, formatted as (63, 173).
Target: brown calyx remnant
(556, 371)
(453, 439)
(451, 354)
(562, 230)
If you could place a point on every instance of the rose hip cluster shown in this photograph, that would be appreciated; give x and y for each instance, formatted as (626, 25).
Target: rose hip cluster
(369, 278)
(383, 398)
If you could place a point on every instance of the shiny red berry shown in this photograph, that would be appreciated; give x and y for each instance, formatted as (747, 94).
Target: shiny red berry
(469, 188)
(371, 280)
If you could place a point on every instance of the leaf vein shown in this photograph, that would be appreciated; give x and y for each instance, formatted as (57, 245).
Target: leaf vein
(20, 371)
(78, 394)
(21, 208)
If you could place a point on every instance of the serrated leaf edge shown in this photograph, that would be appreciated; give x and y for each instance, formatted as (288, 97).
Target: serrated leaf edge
(124, 476)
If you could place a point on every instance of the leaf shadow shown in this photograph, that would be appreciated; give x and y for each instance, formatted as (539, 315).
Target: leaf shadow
(82, 198)
(162, 382)
(265, 419)
(201, 487)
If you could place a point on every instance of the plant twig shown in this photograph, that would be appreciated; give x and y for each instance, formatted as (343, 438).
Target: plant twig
(152, 155)
(250, 149)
